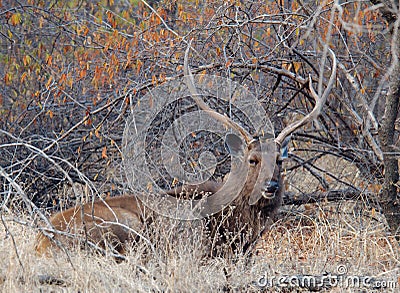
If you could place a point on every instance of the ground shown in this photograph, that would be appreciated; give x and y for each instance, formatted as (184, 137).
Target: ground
(346, 243)
(341, 240)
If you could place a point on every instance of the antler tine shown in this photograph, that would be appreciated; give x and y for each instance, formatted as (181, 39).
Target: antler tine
(202, 105)
(319, 103)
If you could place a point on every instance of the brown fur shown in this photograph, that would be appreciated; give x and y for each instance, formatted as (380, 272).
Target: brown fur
(244, 221)
(96, 226)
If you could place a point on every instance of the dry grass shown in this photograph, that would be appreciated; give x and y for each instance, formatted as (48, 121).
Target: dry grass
(330, 239)
(333, 238)
(176, 264)
(312, 241)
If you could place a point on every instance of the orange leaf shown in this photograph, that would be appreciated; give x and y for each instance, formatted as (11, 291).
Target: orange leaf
(104, 153)
(154, 80)
(7, 78)
(297, 66)
(23, 76)
(96, 133)
(49, 82)
(82, 73)
(62, 78)
(49, 60)
(15, 18)
(138, 66)
(26, 60)
(287, 66)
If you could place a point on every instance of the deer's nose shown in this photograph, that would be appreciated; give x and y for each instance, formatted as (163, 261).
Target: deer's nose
(271, 187)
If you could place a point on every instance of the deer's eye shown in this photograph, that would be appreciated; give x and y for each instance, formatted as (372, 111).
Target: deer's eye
(253, 162)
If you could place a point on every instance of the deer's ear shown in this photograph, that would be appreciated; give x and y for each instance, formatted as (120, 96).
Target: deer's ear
(234, 144)
(284, 147)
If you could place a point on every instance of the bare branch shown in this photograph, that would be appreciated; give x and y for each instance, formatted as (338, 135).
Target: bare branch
(202, 105)
(319, 103)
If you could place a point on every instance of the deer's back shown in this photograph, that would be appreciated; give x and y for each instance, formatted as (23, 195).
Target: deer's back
(101, 223)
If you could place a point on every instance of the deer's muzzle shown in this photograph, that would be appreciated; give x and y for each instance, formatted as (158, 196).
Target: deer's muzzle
(270, 189)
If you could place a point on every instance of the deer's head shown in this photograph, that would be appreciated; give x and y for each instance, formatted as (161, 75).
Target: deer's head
(258, 160)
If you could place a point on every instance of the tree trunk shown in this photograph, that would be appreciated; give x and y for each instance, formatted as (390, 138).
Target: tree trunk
(390, 200)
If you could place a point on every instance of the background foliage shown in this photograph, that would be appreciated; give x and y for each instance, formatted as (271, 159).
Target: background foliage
(71, 71)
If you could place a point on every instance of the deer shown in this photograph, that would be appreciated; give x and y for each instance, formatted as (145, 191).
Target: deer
(114, 222)
(105, 223)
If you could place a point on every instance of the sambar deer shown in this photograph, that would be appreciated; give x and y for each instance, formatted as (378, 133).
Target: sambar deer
(113, 221)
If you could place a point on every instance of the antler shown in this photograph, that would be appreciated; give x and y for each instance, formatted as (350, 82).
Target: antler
(319, 103)
(202, 105)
